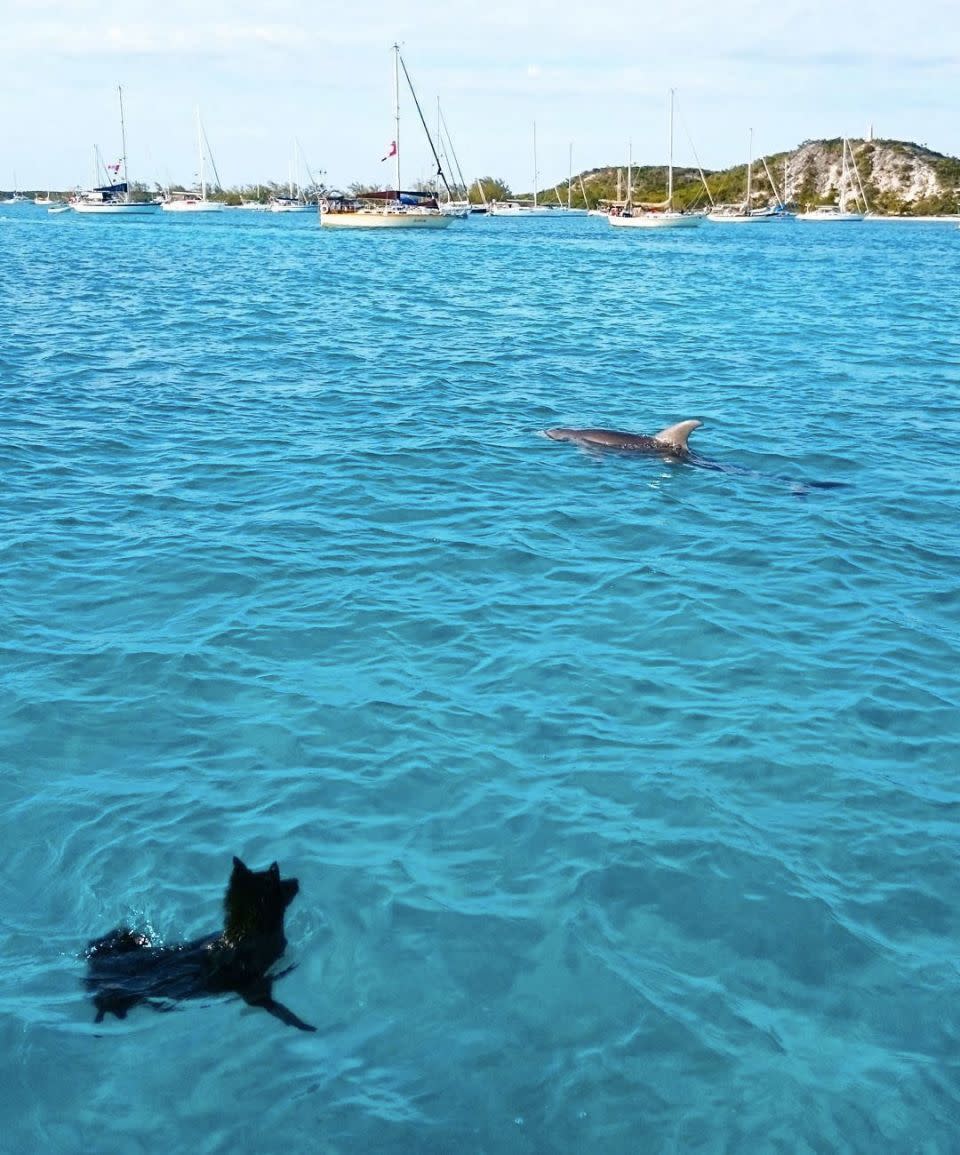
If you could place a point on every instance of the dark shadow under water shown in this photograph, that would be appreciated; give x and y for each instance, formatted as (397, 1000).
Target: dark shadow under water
(797, 487)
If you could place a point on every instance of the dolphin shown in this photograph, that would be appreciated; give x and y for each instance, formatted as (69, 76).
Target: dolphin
(670, 442)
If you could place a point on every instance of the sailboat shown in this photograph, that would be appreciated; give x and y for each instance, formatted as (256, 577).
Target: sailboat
(745, 213)
(839, 211)
(297, 201)
(523, 208)
(568, 209)
(662, 214)
(392, 208)
(16, 197)
(192, 202)
(457, 201)
(112, 198)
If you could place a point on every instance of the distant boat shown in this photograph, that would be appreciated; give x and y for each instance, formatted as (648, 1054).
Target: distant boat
(112, 198)
(520, 207)
(567, 210)
(745, 213)
(383, 210)
(196, 202)
(829, 213)
(258, 205)
(839, 211)
(16, 197)
(660, 215)
(392, 208)
(39, 200)
(457, 201)
(280, 204)
(297, 201)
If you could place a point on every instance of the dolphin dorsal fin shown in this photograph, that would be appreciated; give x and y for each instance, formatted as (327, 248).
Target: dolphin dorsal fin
(676, 435)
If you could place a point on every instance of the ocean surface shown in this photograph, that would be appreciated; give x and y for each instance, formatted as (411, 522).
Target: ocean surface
(623, 795)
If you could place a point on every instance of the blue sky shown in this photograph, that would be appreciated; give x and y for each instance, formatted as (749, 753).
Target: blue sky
(594, 75)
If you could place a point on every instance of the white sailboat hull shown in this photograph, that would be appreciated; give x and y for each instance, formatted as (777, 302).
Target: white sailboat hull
(387, 219)
(656, 221)
(115, 208)
(829, 215)
(514, 210)
(744, 218)
(292, 207)
(193, 206)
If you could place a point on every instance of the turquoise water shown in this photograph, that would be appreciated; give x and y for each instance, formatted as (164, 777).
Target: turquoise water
(623, 796)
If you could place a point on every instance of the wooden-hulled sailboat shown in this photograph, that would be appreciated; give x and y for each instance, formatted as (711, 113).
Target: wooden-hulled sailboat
(659, 215)
(393, 208)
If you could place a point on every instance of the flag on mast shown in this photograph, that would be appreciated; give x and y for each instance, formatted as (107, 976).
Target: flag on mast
(391, 151)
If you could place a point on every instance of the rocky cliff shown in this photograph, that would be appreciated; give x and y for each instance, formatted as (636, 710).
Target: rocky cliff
(895, 176)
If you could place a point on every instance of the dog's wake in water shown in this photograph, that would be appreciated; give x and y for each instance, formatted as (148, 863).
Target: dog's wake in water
(125, 968)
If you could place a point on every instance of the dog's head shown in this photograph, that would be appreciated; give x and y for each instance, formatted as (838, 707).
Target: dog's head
(255, 901)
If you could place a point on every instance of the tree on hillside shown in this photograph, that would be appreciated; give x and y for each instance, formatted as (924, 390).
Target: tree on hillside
(494, 189)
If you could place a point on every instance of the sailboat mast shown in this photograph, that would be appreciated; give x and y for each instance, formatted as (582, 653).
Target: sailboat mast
(569, 174)
(670, 158)
(203, 178)
(123, 145)
(534, 164)
(426, 131)
(396, 111)
(843, 177)
(750, 174)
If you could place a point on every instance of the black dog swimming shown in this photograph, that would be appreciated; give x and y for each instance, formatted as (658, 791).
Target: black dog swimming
(125, 968)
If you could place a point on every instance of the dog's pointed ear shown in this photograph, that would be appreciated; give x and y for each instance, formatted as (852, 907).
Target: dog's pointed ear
(239, 867)
(274, 870)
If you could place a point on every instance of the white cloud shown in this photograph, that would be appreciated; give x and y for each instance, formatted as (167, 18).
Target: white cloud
(155, 38)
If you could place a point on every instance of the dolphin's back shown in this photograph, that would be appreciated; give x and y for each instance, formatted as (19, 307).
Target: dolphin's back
(609, 438)
(673, 439)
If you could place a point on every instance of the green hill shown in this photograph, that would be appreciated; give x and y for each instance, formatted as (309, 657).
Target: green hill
(896, 177)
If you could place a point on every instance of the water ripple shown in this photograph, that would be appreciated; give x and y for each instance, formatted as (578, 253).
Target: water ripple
(621, 793)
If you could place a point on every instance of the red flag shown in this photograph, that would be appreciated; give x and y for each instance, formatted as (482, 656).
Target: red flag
(391, 151)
